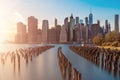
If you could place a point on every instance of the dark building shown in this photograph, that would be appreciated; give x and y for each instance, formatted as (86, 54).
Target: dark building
(56, 22)
(86, 20)
(106, 26)
(117, 23)
(95, 30)
(77, 20)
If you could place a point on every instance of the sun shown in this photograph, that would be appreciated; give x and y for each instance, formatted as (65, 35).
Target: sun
(7, 20)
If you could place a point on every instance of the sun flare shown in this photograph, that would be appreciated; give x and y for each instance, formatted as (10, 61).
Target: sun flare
(8, 19)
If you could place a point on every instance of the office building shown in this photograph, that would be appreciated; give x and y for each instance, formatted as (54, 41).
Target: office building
(117, 23)
(32, 29)
(45, 28)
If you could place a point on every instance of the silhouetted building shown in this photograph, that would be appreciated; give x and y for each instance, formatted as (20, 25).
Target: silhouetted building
(109, 27)
(56, 22)
(77, 20)
(32, 29)
(21, 36)
(106, 26)
(117, 23)
(45, 28)
(98, 22)
(86, 20)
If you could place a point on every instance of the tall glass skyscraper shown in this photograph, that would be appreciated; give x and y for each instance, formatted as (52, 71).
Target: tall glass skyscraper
(117, 23)
(90, 19)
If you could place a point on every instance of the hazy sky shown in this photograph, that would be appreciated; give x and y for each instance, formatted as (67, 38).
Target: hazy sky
(13, 11)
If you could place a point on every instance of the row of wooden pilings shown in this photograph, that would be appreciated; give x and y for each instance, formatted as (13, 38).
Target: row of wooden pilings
(105, 58)
(68, 72)
(27, 54)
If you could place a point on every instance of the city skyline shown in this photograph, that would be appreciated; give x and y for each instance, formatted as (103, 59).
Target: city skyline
(19, 10)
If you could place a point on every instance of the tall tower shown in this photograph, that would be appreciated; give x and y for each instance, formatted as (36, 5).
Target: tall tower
(72, 26)
(77, 20)
(109, 27)
(55, 22)
(87, 29)
(21, 33)
(86, 20)
(45, 27)
(117, 23)
(66, 25)
(32, 29)
(90, 19)
(106, 26)
(63, 35)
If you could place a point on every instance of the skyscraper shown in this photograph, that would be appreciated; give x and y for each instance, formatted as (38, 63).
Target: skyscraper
(106, 26)
(72, 26)
(77, 21)
(87, 26)
(63, 35)
(86, 20)
(45, 27)
(117, 23)
(66, 25)
(21, 33)
(55, 22)
(90, 20)
(32, 29)
(109, 27)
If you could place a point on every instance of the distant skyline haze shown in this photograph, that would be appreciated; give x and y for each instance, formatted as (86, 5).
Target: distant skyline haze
(13, 11)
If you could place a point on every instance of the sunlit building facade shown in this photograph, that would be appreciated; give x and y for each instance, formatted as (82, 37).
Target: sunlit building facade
(32, 29)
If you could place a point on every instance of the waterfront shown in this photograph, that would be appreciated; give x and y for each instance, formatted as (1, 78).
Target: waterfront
(46, 66)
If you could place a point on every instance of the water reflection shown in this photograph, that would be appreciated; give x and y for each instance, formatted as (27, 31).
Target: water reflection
(108, 60)
(25, 55)
(67, 71)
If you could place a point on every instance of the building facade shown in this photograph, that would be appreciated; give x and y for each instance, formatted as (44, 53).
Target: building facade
(45, 28)
(32, 29)
(21, 36)
(117, 23)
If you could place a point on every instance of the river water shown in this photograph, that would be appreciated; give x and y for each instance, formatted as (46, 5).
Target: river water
(46, 67)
